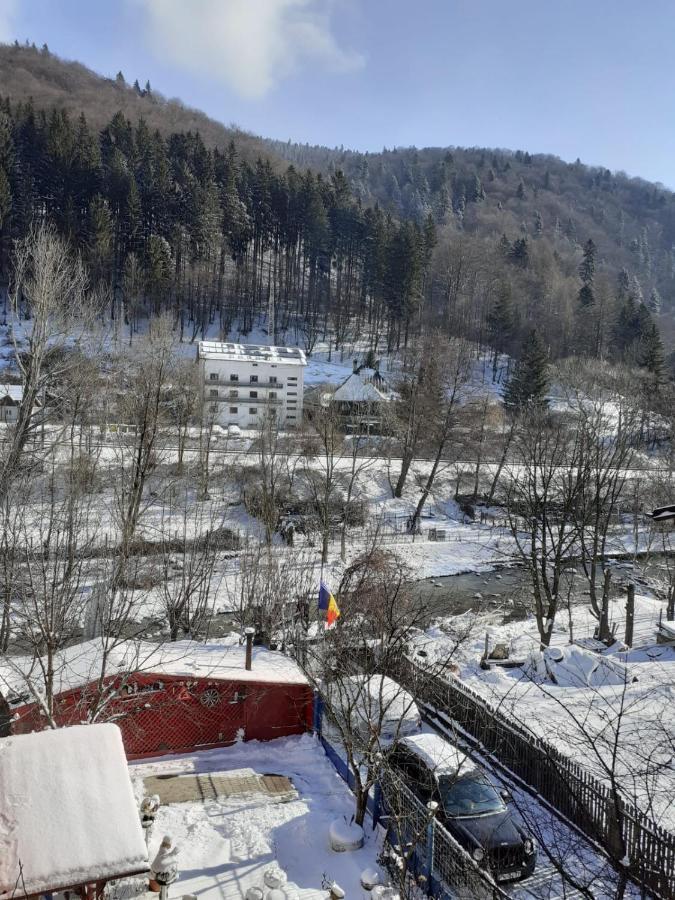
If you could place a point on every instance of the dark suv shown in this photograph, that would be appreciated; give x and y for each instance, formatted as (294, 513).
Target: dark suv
(470, 806)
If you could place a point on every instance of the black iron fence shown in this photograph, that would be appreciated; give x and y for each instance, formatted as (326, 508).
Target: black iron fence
(629, 836)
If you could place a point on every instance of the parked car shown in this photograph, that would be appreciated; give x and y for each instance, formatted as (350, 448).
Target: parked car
(473, 809)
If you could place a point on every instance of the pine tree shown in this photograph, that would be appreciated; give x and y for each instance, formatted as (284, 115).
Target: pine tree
(654, 303)
(520, 193)
(651, 355)
(587, 273)
(529, 380)
(501, 324)
(520, 253)
(538, 223)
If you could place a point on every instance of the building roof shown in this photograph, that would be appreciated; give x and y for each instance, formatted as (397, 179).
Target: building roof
(356, 390)
(68, 813)
(13, 392)
(80, 664)
(288, 356)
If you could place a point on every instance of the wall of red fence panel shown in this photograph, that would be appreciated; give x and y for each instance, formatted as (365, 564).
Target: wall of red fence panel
(167, 714)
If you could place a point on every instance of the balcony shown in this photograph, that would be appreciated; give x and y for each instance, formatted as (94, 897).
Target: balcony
(247, 401)
(225, 382)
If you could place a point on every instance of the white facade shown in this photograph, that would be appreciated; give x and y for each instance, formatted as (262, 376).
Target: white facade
(244, 383)
(11, 396)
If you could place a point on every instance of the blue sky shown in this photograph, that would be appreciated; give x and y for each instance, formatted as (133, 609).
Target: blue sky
(586, 78)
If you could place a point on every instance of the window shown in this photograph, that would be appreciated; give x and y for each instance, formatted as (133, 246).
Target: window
(253, 411)
(254, 378)
(213, 392)
(253, 395)
(292, 393)
(292, 377)
(234, 393)
(273, 379)
(234, 410)
(291, 415)
(273, 395)
(214, 407)
(213, 376)
(234, 378)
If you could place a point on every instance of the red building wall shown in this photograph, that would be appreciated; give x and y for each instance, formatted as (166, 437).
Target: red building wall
(169, 714)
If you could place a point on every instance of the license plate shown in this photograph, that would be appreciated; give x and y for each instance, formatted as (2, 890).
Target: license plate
(510, 875)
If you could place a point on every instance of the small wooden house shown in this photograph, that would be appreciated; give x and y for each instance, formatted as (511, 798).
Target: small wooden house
(171, 698)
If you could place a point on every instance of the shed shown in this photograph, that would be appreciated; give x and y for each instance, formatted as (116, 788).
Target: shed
(10, 400)
(172, 698)
(69, 820)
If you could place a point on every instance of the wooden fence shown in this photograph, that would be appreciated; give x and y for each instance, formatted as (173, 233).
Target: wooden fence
(629, 836)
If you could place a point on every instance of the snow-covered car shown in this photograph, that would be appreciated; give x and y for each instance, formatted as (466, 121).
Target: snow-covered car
(372, 704)
(473, 809)
(233, 431)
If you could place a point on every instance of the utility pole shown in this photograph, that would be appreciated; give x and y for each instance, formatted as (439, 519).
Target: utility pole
(630, 615)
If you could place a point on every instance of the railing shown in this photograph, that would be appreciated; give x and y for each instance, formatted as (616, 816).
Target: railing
(225, 382)
(434, 853)
(624, 831)
(246, 401)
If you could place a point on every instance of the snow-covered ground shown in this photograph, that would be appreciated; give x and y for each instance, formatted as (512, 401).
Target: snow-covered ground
(227, 844)
(615, 727)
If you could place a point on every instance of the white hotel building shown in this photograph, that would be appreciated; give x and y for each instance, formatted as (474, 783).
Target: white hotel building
(243, 383)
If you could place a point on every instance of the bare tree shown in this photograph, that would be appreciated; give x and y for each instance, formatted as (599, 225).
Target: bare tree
(452, 374)
(270, 592)
(379, 617)
(543, 495)
(53, 309)
(188, 561)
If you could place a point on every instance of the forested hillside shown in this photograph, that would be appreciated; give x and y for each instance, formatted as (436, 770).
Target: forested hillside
(173, 211)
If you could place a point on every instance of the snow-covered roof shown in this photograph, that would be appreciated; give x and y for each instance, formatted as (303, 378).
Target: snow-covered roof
(442, 757)
(223, 661)
(12, 391)
(375, 700)
(80, 664)
(290, 356)
(68, 810)
(355, 390)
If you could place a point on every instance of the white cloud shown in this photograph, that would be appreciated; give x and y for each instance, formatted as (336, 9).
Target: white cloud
(248, 45)
(8, 9)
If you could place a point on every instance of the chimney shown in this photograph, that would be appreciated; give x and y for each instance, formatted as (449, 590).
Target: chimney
(249, 632)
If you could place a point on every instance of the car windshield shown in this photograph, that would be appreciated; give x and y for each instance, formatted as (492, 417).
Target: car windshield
(469, 796)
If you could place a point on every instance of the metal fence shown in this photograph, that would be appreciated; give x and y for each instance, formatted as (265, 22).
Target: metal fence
(432, 856)
(431, 852)
(624, 831)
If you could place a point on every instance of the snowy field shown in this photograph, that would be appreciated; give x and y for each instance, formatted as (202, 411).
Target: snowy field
(226, 845)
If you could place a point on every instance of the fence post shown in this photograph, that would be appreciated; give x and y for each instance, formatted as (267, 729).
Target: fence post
(630, 614)
(317, 714)
(432, 806)
(377, 804)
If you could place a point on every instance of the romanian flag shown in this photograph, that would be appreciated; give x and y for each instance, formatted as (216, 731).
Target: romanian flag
(327, 603)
